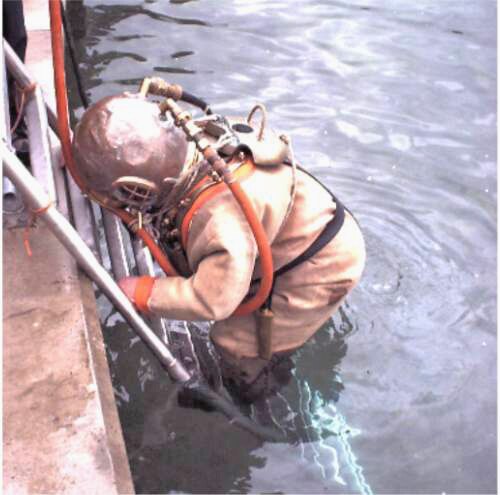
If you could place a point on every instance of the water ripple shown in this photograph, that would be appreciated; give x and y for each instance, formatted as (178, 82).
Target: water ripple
(393, 105)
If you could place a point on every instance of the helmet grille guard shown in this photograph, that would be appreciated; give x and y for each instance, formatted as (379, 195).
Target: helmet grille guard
(135, 191)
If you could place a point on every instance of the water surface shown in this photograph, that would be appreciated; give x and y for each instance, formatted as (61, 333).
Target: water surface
(393, 105)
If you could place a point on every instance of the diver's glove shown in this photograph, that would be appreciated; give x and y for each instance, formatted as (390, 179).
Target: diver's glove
(138, 290)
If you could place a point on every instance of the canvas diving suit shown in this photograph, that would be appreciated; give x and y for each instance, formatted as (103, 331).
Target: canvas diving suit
(221, 253)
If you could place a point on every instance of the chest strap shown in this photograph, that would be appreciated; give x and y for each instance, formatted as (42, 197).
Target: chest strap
(327, 234)
(206, 189)
(202, 192)
(330, 230)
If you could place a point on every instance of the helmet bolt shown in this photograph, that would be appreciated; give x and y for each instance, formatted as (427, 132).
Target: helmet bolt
(173, 234)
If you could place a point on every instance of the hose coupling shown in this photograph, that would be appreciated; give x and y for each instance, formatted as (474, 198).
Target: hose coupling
(157, 86)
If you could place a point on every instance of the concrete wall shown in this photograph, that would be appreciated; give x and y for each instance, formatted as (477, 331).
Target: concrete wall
(61, 428)
(60, 423)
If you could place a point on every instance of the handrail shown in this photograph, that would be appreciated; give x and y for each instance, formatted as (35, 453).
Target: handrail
(67, 235)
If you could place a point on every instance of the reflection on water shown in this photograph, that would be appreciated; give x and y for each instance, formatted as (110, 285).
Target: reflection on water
(393, 105)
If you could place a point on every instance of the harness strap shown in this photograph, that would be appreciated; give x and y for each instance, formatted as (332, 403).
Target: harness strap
(330, 230)
(327, 234)
(209, 192)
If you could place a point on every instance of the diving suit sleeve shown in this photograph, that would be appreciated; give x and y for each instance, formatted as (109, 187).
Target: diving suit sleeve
(221, 251)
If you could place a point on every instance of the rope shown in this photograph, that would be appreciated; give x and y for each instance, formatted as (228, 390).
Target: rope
(31, 223)
(27, 90)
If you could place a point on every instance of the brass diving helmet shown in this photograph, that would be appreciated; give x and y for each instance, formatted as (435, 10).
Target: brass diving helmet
(128, 152)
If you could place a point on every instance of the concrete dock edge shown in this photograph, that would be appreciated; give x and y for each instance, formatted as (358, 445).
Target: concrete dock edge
(100, 369)
(61, 430)
(60, 423)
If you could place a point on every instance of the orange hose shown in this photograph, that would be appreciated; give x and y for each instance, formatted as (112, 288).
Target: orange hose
(243, 171)
(157, 253)
(64, 135)
(260, 236)
(60, 88)
(64, 131)
(266, 258)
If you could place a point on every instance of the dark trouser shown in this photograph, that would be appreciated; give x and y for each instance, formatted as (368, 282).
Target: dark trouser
(14, 31)
(250, 379)
(247, 379)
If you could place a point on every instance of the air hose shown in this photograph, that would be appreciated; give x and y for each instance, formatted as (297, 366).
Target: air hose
(183, 119)
(61, 95)
(65, 135)
(156, 251)
(156, 85)
(197, 102)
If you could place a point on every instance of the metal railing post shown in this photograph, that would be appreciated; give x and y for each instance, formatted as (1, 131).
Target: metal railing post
(38, 199)
(12, 203)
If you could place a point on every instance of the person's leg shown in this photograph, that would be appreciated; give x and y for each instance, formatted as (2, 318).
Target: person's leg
(303, 299)
(14, 32)
(250, 379)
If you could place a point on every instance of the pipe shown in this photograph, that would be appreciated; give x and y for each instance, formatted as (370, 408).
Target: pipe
(5, 122)
(12, 203)
(115, 239)
(59, 177)
(62, 229)
(38, 140)
(82, 215)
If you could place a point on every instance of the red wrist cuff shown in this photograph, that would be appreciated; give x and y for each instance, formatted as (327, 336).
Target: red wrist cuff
(143, 290)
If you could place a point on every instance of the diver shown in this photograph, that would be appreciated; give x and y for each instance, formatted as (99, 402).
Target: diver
(156, 163)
